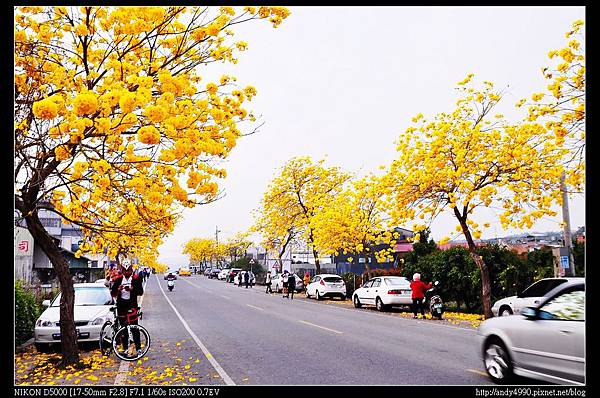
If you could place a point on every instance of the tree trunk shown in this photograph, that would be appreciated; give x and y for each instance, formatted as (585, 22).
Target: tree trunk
(317, 263)
(367, 268)
(70, 352)
(483, 268)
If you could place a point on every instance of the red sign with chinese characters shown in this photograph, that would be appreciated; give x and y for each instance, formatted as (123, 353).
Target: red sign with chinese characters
(24, 246)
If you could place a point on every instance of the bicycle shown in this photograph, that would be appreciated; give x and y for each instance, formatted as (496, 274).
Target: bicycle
(113, 334)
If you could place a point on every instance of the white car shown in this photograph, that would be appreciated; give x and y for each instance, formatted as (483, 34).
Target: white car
(533, 295)
(326, 285)
(223, 274)
(383, 292)
(277, 283)
(92, 308)
(545, 342)
(252, 280)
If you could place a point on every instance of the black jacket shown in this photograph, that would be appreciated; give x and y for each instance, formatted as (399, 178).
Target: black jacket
(137, 289)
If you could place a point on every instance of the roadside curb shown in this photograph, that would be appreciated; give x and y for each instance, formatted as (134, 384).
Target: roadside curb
(25, 344)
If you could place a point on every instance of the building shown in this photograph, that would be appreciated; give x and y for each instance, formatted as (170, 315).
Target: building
(34, 267)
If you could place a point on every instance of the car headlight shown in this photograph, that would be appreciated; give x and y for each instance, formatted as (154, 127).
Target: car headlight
(44, 323)
(98, 321)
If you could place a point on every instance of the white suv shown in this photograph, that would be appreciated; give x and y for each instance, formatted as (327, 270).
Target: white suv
(326, 285)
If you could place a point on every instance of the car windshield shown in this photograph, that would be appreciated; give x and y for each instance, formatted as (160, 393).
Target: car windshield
(403, 282)
(333, 279)
(540, 288)
(88, 296)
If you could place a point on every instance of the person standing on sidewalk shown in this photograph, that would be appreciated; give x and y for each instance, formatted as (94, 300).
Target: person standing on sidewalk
(125, 289)
(284, 282)
(418, 294)
(306, 279)
(268, 282)
(291, 286)
(239, 278)
(246, 278)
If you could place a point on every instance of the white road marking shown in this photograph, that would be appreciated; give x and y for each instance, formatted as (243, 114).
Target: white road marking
(124, 366)
(322, 327)
(228, 298)
(258, 308)
(207, 354)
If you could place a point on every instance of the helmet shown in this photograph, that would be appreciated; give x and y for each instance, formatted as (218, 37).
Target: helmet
(416, 277)
(126, 263)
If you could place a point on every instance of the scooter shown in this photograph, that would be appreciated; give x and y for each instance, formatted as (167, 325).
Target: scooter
(436, 305)
(170, 285)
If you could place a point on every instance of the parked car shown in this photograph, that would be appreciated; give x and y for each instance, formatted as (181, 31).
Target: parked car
(528, 297)
(223, 274)
(184, 272)
(232, 274)
(92, 308)
(214, 272)
(171, 271)
(546, 341)
(252, 279)
(326, 285)
(384, 292)
(207, 271)
(277, 283)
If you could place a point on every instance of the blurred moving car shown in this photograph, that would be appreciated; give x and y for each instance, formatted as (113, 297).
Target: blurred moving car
(545, 342)
(532, 295)
(92, 308)
(326, 285)
(185, 272)
(383, 292)
(223, 274)
(277, 283)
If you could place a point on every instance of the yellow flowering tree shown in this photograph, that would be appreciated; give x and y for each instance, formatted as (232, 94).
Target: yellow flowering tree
(238, 245)
(205, 250)
(562, 106)
(469, 159)
(114, 128)
(292, 200)
(354, 222)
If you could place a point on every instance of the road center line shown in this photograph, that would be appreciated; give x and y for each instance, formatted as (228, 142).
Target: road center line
(322, 327)
(258, 308)
(124, 366)
(225, 297)
(207, 354)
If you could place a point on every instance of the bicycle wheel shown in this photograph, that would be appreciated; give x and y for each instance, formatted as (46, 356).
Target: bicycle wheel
(130, 352)
(106, 338)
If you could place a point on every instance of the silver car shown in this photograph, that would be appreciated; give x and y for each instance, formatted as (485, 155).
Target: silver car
(545, 342)
(92, 309)
(277, 283)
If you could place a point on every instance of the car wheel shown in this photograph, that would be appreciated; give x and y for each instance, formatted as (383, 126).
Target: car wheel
(357, 303)
(379, 304)
(43, 348)
(506, 311)
(497, 362)
(317, 295)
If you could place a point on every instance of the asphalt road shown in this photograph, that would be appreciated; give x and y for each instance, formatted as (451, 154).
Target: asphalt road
(246, 337)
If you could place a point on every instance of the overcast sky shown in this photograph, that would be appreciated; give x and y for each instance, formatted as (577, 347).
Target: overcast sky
(344, 82)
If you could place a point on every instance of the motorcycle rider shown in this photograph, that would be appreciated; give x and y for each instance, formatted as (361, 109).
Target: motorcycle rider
(170, 277)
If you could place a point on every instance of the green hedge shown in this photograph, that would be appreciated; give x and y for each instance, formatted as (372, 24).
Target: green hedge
(27, 310)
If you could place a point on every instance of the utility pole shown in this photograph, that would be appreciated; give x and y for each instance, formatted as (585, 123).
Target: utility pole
(217, 240)
(567, 226)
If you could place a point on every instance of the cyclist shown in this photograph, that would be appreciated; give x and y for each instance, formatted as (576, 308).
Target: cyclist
(125, 289)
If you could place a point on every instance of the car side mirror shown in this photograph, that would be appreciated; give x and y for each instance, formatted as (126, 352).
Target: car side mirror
(46, 303)
(529, 312)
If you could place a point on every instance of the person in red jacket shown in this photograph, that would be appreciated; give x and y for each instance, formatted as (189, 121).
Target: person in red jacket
(418, 294)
